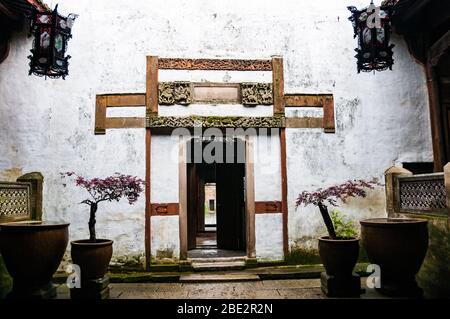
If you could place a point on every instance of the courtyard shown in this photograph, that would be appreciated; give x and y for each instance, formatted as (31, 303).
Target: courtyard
(195, 149)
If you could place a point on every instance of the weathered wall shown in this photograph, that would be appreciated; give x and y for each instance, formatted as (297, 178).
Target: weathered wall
(47, 125)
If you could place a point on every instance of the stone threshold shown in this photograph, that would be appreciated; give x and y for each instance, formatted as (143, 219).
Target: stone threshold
(259, 273)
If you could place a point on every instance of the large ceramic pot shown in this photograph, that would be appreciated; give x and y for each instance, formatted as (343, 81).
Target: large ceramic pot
(92, 257)
(32, 252)
(338, 256)
(398, 246)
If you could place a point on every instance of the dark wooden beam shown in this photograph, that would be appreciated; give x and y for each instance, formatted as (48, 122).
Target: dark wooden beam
(4, 10)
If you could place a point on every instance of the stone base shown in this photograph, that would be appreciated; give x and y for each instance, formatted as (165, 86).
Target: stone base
(92, 289)
(45, 291)
(399, 288)
(340, 287)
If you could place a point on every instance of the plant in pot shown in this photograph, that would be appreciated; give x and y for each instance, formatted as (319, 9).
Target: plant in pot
(93, 255)
(339, 250)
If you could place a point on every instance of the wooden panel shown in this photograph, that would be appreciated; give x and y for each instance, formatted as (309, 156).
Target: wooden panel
(100, 114)
(217, 93)
(215, 64)
(304, 122)
(268, 207)
(125, 122)
(284, 190)
(304, 100)
(328, 115)
(164, 209)
(278, 85)
(148, 235)
(114, 100)
(152, 84)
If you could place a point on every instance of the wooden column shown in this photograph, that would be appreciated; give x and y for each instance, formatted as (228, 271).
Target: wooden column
(152, 84)
(250, 198)
(390, 176)
(278, 85)
(182, 191)
(148, 205)
(151, 104)
(284, 205)
(435, 116)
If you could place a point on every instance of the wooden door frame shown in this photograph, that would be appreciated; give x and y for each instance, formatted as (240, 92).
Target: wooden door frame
(435, 53)
(249, 196)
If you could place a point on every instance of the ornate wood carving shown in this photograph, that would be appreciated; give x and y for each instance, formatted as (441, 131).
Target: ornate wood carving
(206, 122)
(215, 64)
(174, 93)
(164, 209)
(268, 207)
(256, 93)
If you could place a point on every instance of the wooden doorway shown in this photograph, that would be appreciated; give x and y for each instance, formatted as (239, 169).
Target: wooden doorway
(232, 234)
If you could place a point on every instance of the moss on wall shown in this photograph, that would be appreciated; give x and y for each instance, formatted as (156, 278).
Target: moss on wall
(5, 280)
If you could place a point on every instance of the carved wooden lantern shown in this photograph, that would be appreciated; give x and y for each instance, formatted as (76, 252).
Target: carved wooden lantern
(372, 27)
(51, 33)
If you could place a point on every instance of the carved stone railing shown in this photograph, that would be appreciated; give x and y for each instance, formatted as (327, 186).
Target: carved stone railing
(21, 200)
(417, 194)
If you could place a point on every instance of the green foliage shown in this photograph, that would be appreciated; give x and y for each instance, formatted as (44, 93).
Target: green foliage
(344, 227)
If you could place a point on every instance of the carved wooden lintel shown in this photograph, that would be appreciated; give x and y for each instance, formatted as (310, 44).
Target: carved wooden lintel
(215, 64)
(214, 121)
(257, 93)
(174, 93)
(185, 93)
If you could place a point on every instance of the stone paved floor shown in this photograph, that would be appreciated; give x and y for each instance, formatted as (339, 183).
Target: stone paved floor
(264, 289)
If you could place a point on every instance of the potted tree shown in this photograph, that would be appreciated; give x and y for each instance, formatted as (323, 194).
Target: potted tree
(93, 255)
(338, 251)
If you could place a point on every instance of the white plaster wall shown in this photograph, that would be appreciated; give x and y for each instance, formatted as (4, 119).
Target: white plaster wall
(164, 169)
(269, 236)
(165, 238)
(47, 125)
(267, 166)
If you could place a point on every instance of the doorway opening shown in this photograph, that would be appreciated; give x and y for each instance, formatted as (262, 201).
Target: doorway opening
(216, 199)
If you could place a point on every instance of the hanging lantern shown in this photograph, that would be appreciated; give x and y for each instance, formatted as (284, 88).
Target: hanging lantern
(51, 33)
(372, 27)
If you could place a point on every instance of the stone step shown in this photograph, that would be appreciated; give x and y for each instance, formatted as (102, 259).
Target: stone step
(218, 277)
(218, 265)
(217, 259)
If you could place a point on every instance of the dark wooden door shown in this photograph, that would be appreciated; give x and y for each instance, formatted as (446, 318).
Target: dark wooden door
(230, 206)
